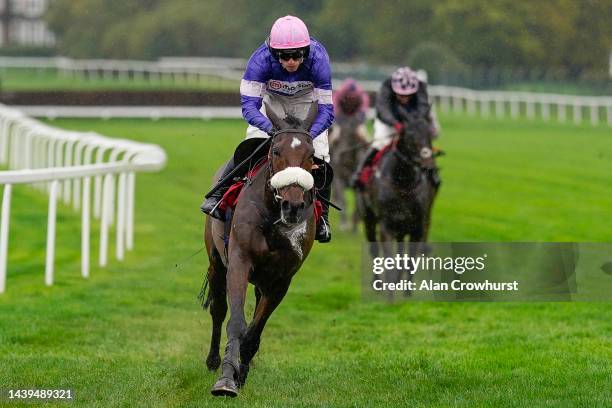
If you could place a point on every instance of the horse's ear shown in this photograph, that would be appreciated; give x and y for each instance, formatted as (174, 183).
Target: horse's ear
(277, 122)
(312, 115)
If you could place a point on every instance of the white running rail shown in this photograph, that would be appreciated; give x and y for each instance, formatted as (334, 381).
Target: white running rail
(498, 104)
(175, 69)
(68, 165)
(501, 104)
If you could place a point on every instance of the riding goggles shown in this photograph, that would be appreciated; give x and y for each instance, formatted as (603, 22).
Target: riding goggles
(286, 55)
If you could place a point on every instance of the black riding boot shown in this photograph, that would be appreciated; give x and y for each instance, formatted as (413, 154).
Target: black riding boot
(210, 206)
(367, 158)
(323, 233)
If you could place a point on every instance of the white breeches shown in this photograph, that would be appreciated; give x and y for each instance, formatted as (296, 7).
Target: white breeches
(383, 134)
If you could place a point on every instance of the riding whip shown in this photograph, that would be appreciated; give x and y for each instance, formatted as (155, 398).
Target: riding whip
(236, 168)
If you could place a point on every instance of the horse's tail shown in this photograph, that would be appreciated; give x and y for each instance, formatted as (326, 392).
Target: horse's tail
(203, 297)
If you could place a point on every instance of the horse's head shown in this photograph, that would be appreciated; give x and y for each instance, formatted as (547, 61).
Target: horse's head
(291, 159)
(416, 139)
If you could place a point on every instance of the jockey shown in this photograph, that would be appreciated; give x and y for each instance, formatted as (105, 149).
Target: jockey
(404, 89)
(351, 102)
(288, 72)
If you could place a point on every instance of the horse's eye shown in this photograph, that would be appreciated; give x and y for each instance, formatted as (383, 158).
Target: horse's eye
(276, 152)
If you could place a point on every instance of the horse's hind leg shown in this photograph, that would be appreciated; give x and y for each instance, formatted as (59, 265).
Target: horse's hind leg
(218, 308)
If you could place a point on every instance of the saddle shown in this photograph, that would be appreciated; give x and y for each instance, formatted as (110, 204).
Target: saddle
(230, 198)
(427, 161)
(368, 171)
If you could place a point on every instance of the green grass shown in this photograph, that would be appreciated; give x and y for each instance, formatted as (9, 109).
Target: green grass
(14, 79)
(133, 334)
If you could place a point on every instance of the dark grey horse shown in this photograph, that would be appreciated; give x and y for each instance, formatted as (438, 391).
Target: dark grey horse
(399, 198)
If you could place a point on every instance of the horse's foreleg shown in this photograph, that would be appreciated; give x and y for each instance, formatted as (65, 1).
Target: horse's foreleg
(417, 245)
(387, 239)
(427, 221)
(401, 247)
(421, 228)
(338, 193)
(257, 292)
(250, 342)
(369, 221)
(357, 213)
(218, 310)
(237, 281)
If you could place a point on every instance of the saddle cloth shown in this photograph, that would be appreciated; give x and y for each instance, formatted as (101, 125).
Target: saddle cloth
(232, 195)
(368, 171)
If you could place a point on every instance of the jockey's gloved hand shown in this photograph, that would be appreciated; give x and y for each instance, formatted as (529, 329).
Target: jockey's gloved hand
(399, 127)
(272, 132)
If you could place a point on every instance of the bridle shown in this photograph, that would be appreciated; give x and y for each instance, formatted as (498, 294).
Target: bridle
(414, 159)
(275, 191)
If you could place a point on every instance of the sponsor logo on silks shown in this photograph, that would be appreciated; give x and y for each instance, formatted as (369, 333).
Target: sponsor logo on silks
(274, 85)
(289, 88)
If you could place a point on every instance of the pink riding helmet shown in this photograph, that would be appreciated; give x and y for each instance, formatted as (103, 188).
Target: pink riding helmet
(289, 32)
(404, 81)
(350, 98)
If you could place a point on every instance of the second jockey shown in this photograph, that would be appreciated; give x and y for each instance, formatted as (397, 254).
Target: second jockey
(403, 89)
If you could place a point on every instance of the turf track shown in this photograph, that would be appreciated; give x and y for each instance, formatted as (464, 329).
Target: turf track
(133, 335)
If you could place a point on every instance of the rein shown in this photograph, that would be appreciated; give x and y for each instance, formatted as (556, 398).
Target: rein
(412, 160)
(302, 131)
(277, 197)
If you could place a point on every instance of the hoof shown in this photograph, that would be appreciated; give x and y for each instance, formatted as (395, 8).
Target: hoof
(213, 362)
(224, 387)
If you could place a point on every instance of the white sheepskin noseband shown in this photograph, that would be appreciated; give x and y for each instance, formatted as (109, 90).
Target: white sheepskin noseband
(292, 175)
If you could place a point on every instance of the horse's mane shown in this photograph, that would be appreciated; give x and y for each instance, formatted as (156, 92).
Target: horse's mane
(293, 122)
(417, 123)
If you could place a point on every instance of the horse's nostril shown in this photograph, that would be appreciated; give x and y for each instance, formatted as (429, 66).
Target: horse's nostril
(291, 208)
(297, 207)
